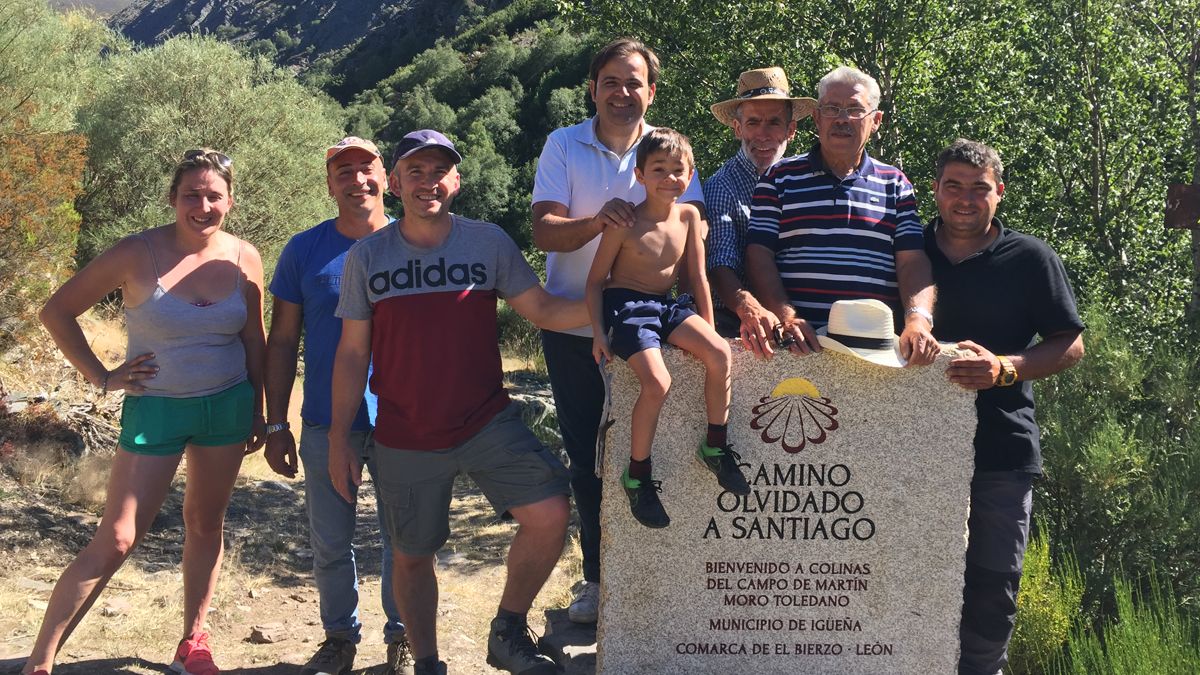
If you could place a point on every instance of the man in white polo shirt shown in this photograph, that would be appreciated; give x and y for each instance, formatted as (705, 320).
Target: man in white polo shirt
(585, 183)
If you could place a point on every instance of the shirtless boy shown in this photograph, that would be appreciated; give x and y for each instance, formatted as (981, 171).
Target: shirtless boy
(628, 293)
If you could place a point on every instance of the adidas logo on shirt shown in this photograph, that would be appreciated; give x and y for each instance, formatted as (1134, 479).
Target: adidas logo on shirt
(413, 276)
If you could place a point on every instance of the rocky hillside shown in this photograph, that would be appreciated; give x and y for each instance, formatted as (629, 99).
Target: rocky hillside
(101, 7)
(344, 45)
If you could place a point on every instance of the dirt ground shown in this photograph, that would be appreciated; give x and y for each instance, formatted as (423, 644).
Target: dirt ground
(266, 580)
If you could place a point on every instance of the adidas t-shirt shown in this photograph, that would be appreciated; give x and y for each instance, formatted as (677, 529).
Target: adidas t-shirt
(434, 338)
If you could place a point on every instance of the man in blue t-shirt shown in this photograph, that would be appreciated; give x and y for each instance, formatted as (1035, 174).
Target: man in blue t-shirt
(305, 288)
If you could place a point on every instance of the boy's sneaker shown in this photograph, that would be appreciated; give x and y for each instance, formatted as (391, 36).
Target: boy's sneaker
(439, 669)
(644, 503)
(723, 462)
(335, 656)
(511, 647)
(585, 608)
(194, 657)
(399, 658)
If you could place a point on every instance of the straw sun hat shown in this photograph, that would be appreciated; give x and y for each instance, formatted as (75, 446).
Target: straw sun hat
(762, 84)
(862, 328)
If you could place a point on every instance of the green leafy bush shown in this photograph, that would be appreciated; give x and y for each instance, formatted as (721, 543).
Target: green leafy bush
(156, 103)
(1121, 440)
(1149, 636)
(1046, 607)
(47, 64)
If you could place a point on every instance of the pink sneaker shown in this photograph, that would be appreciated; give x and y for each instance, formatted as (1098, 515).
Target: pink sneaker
(194, 657)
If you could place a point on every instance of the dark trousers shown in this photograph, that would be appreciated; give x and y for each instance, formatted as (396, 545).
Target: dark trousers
(729, 324)
(579, 400)
(1001, 502)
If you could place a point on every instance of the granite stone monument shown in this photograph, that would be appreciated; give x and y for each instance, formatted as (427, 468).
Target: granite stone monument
(847, 556)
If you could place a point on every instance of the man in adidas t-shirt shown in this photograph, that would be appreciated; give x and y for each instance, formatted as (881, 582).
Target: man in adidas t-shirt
(419, 300)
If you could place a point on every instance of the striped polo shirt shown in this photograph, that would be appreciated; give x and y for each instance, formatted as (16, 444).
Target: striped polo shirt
(834, 239)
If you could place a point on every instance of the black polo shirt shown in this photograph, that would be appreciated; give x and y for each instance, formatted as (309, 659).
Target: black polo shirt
(1003, 298)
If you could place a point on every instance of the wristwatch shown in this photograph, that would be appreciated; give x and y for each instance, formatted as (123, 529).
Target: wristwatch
(281, 426)
(1008, 372)
(921, 312)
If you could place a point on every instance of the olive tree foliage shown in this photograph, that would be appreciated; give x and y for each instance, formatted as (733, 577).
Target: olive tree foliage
(155, 104)
(47, 65)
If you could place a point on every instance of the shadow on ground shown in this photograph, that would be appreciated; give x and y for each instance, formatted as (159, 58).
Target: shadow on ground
(266, 528)
(93, 667)
(131, 666)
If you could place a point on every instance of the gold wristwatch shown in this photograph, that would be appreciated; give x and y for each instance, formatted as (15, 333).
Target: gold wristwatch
(1008, 372)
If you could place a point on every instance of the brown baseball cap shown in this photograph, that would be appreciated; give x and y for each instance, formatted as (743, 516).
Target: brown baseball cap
(348, 143)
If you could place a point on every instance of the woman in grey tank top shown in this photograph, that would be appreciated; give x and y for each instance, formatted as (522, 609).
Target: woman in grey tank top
(193, 382)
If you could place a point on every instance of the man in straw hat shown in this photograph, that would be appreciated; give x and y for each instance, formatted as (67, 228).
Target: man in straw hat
(835, 224)
(1005, 299)
(763, 117)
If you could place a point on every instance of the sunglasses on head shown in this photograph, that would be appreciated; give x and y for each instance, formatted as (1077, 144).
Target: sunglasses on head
(221, 159)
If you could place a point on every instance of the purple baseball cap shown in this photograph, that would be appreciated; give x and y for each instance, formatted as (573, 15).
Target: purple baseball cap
(420, 140)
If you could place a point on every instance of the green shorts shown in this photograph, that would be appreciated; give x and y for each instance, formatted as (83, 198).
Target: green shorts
(158, 425)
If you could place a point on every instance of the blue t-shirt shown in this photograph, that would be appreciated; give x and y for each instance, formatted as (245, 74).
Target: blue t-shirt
(309, 274)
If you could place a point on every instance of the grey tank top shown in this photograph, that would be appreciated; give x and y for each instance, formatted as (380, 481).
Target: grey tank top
(198, 349)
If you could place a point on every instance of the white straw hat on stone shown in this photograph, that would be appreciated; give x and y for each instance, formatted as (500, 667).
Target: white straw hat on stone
(862, 328)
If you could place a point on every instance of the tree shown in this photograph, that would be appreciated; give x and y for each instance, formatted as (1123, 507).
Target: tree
(1103, 127)
(47, 63)
(48, 60)
(39, 177)
(567, 105)
(157, 103)
(1175, 27)
(496, 111)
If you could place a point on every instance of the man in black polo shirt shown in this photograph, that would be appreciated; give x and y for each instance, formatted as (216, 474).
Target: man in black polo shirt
(1004, 297)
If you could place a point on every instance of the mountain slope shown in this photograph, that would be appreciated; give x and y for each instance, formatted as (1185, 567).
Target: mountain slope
(101, 7)
(353, 42)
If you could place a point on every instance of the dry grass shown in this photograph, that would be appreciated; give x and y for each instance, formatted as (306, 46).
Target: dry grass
(139, 615)
(264, 580)
(42, 468)
(49, 500)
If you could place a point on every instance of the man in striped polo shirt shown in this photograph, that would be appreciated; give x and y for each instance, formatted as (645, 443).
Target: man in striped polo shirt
(834, 224)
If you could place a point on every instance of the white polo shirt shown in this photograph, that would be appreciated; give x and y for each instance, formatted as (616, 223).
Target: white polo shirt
(580, 172)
